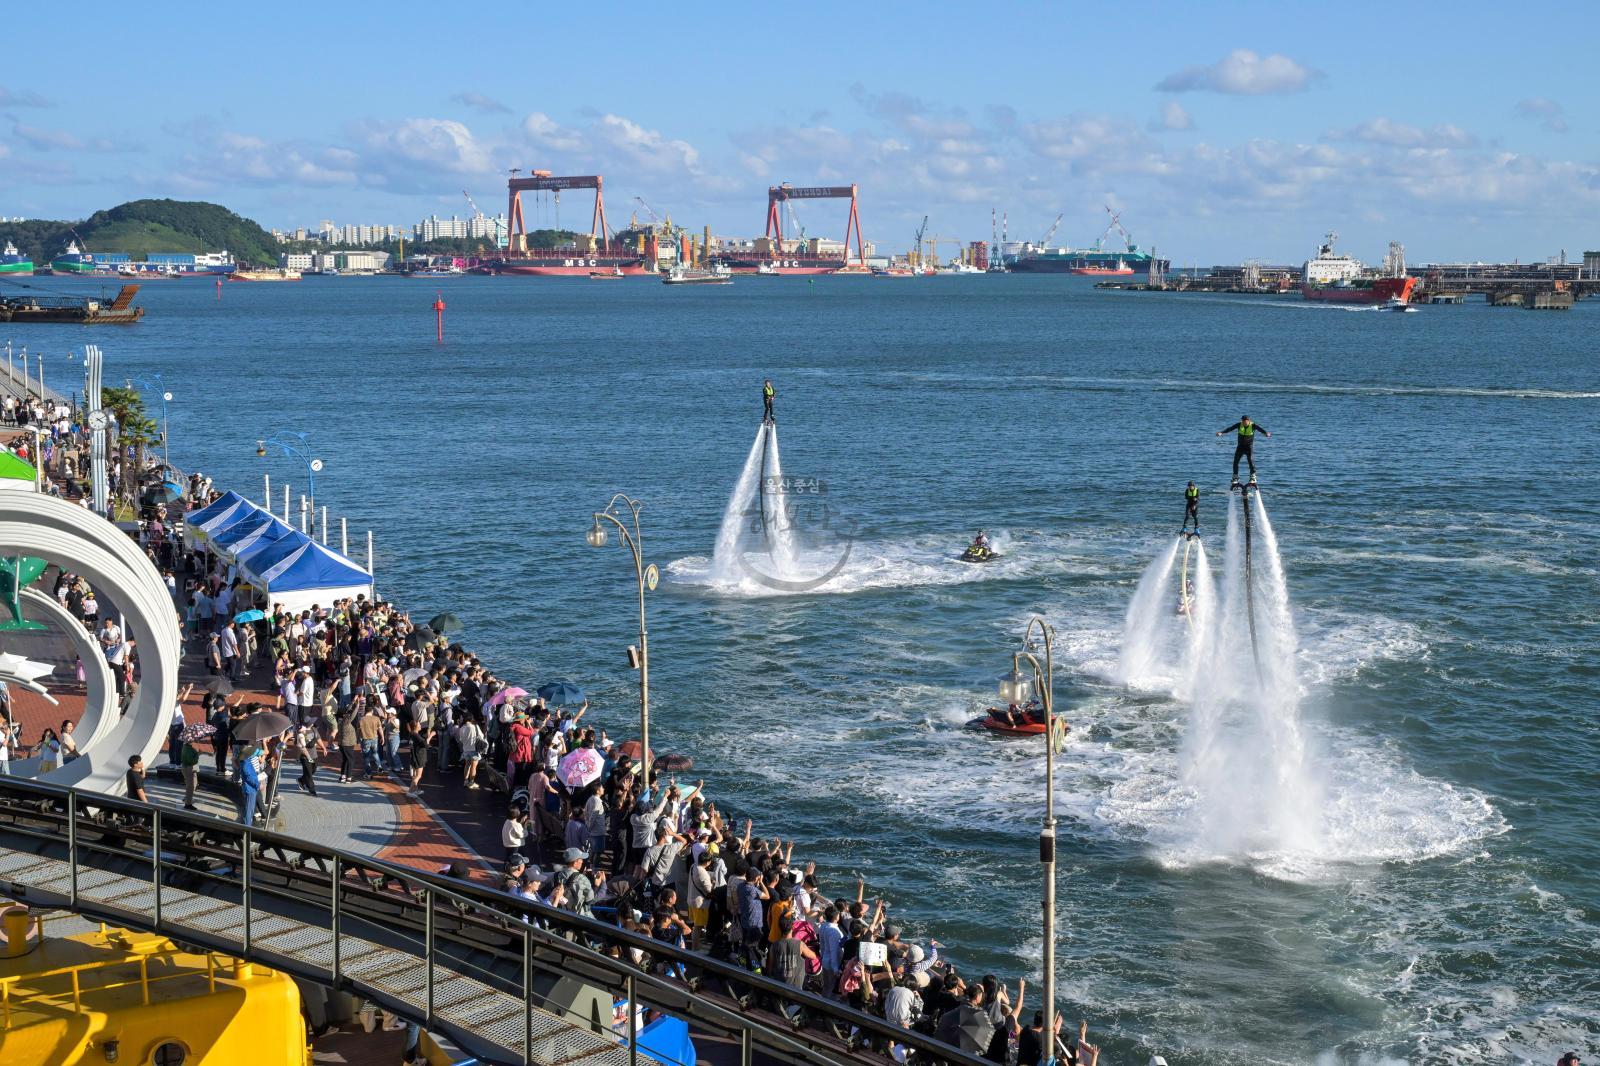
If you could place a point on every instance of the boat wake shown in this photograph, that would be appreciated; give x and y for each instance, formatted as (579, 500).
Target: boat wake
(876, 564)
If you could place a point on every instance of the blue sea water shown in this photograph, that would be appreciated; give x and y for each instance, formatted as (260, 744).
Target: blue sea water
(1432, 479)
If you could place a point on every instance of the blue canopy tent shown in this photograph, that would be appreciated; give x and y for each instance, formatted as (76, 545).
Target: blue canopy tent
(296, 572)
(267, 554)
(268, 532)
(221, 512)
(214, 508)
(237, 531)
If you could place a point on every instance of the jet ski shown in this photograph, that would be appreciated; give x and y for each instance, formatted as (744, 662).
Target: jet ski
(977, 553)
(1024, 722)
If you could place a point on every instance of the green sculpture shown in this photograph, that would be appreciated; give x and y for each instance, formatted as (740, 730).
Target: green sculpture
(16, 574)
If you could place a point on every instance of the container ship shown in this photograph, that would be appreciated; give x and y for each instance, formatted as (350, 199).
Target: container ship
(787, 264)
(14, 263)
(559, 263)
(1333, 277)
(1096, 260)
(1085, 261)
(73, 261)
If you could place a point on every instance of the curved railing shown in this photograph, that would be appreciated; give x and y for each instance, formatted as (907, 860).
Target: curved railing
(507, 979)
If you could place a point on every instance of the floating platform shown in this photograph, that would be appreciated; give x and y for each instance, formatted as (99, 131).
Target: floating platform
(73, 310)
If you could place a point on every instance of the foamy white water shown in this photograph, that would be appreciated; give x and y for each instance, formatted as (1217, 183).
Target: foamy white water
(1244, 755)
(1147, 627)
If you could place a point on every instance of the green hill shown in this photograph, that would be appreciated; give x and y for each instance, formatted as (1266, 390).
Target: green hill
(140, 227)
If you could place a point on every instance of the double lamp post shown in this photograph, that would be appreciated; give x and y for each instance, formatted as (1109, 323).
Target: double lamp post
(1017, 688)
(620, 511)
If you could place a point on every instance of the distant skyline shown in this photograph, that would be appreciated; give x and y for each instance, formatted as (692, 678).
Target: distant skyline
(1222, 132)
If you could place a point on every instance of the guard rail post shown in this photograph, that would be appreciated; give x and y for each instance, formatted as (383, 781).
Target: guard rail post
(155, 861)
(527, 995)
(633, 1022)
(427, 935)
(72, 845)
(244, 873)
(333, 916)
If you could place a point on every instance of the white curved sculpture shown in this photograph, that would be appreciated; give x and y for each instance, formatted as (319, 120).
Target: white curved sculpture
(97, 680)
(82, 542)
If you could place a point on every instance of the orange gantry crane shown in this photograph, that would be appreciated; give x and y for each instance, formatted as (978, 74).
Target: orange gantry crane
(779, 194)
(544, 181)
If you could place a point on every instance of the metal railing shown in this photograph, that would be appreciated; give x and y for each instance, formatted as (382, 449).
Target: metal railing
(508, 979)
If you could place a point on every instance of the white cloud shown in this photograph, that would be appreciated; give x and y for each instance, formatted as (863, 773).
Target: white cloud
(546, 133)
(45, 140)
(1399, 135)
(1242, 73)
(23, 98)
(1173, 118)
(646, 148)
(479, 102)
(226, 157)
(432, 143)
(1547, 113)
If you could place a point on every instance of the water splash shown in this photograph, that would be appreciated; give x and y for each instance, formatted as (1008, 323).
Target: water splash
(757, 518)
(1147, 628)
(1244, 758)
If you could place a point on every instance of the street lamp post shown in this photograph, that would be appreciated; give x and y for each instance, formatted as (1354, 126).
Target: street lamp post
(154, 384)
(296, 446)
(647, 576)
(1017, 688)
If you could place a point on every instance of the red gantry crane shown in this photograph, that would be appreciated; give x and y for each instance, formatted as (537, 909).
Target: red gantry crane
(780, 194)
(543, 181)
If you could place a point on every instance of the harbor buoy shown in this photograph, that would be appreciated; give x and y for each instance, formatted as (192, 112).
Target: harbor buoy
(438, 315)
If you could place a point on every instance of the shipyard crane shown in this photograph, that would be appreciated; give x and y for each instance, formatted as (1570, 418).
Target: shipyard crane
(652, 211)
(933, 240)
(499, 226)
(794, 217)
(1115, 224)
(786, 192)
(1044, 242)
(920, 231)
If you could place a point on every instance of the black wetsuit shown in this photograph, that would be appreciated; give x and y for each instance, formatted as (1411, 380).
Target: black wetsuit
(1191, 508)
(767, 393)
(1247, 440)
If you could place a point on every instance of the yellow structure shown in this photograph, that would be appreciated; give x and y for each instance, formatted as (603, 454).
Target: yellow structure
(117, 996)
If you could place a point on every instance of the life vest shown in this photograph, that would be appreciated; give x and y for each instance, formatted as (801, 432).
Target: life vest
(766, 390)
(1192, 492)
(1247, 430)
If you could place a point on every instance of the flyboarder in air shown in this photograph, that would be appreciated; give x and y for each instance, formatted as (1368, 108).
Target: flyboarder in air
(1191, 509)
(767, 393)
(1247, 439)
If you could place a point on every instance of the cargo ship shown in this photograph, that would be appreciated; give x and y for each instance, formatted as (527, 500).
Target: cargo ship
(14, 263)
(752, 262)
(73, 261)
(264, 275)
(564, 262)
(1096, 260)
(1084, 261)
(1334, 277)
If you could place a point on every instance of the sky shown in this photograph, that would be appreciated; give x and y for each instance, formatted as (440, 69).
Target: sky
(1221, 131)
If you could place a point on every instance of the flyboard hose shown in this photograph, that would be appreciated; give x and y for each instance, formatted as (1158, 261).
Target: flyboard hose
(1249, 585)
(1184, 594)
(766, 446)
